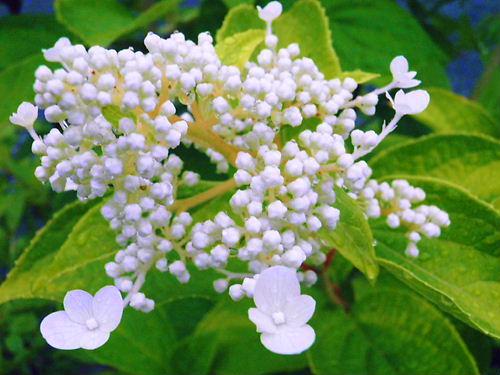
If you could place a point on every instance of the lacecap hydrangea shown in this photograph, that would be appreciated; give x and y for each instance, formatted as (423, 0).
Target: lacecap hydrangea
(116, 120)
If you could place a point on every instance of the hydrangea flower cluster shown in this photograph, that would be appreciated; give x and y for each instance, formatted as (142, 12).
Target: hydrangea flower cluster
(118, 119)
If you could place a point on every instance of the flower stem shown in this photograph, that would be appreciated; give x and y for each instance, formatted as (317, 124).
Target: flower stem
(333, 291)
(206, 138)
(139, 282)
(233, 275)
(386, 130)
(185, 204)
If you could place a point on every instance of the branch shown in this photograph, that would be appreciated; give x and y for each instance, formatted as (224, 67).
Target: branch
(188, 203)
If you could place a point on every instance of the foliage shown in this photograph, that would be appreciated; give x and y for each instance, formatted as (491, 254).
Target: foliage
(416, 317)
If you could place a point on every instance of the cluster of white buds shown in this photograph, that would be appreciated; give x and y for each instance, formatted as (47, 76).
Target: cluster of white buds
(394, 201)
(281, 89)
(285, 197)
(118, 122)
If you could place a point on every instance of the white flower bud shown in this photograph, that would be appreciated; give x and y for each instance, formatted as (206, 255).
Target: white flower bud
(236, 292)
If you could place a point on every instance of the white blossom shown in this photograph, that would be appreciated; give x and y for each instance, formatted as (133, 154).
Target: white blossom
(26, 116)
(403, 78)
(281, 312)
(411, 103)
(86, 322)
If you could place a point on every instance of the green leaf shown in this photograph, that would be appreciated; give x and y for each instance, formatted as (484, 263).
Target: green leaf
(340, 269)
(200, 187)
(305, 23)
(208, 210)
(114, 114)
(196, 354)
(449, 112)
(233, 3)
(367, 35)
(459, 270)
(389, 332)
(237, 49)
(487, 91)
(239, 350)
(154, 337)
(32, 267)
(16, 86)
(16, 207)
(352, 237)
(23, 36)
(393, 140)
(142, 345)
(360, 76)
(100, 22)
(240, 18)
(470, 161)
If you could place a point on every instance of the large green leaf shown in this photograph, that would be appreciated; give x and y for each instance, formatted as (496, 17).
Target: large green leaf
(449, 112)
(367, 35)
(31, 270)
(196, 354)
(389, 331)
(305, 23)
(471, 161)
(360, 76)
(103, 21)
(240, 18)
(459, 270)
(22, 36)
(352, 237)
(237, 49)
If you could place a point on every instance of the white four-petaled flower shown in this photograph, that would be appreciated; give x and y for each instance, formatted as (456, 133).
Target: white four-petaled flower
(282, 312)
(411, 103)
(25, 116)
(270, 12)
(86, 321)
(401, 74)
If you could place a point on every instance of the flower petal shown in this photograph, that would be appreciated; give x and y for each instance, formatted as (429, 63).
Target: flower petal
(399, 66)
(108, 308)
(54, 54)
(25, 116)
(93, 339)
(408, 83)
(78, 305)
(263, 321)
(271, 11)
(401, 104)
(61, 332)
(299, 310)
(16, 119)
(419, 100)
(274, 287)
(289, 340)
(411, 103)
(28, 111)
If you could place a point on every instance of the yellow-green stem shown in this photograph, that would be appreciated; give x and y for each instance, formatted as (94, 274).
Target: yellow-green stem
(185, 204)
